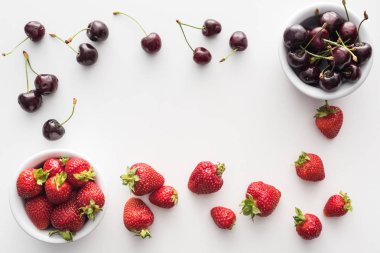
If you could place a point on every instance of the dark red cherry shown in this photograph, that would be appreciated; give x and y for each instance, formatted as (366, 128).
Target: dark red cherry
(211, 27)
(97, 31)
(298, 59)
(53, 130)
(348, 32)
(87, 54)
(46, 84)
(333, 21)
(318, 42)
(295, 36)
(341, 57)
(330, 80)
(352, 72)
(34, 30)
(151, 43)
(239, 41)
(310, 75)
(363, 51)
(30, 101)
(202, 56)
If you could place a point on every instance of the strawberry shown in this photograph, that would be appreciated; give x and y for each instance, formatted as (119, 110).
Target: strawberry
(308, 226)
(90, 200)
(309, 167)
(223, 217)
(165, 197)
(337, 205)
(57, 189)
(54, 166)
(329, 120)
(79, 172)
(29, 182)
(138, 217)
(142, 179)
(261, 199)
(39, 210)
(67, 219)
(206, 178)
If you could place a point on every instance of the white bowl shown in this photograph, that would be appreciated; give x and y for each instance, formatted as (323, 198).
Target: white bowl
(17, 204)
(346, 88)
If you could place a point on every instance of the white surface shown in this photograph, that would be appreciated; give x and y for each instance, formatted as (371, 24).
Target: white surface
(17, 204)
(167, 111)
(315, 92)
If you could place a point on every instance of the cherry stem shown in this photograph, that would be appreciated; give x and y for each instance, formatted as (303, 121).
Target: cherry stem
(345, 9)
(317, 13)
(26, 75)
(232, 52)
(60, 39)
(318, 56)
(184, 35)
(344, 45)
(360, 25)
(26, 56)
(72, 112)
(72, 37)
(125, 14)
(5, 54)
(195, 27)
(315, 35)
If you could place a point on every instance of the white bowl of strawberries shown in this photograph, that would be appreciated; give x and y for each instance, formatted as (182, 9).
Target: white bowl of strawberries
(57, 196)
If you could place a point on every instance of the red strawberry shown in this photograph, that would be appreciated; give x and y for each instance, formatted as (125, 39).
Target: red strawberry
(337, 205)
(79, 172)
(29, 182)
(90, 200)
(138, 217)
(329, 120)
(142, 179)
(57, 189)
(67, 219)
(223, 217)
(39, 210)
(206, 178)
(165, 197)
(308, 226)
(53, 166)
(310, 167)
(261, 199)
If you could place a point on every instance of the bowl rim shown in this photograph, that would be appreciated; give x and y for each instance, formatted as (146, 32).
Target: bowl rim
(315, 92)
(20, 215)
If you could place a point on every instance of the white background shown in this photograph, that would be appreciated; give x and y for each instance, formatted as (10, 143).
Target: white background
(167, 111)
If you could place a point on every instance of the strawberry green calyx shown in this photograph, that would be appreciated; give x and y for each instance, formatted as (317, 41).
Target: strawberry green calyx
(174, 197)
(65, 234)
(347, 201)
(220, 168)
(299, 218)
(143, 233)
(130, 178)
(85, 175)
(249, 207)
(324, 110)
(90, 210)
(41, 176)
(302, 159)
(59, 179)
(64, 160)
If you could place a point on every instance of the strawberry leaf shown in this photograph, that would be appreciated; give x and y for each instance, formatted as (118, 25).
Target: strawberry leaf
(299, 218)
(90, 210)
(324, 111)
(130, 178)
(347, 201)
(85, 175)
(65, 234)
(59, 179)
(41, 176)
(249, 207)
(143, 233)
(220, 168)
(302, 159)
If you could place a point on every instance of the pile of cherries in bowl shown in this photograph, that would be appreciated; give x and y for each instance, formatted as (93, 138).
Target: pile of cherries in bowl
(325, 50)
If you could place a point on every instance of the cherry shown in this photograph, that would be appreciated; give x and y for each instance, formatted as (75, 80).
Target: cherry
(238, 42)
(298, 59)
(211, 27)
(363, 51)
(342, 57)
(96, 31)
(318, 34)
(53, 130)
(34, 30)
(295, 36)
(348, 32)
(351, 72)
(333, 21)
(200, 55)
(330, 80)
(310, 75)
(151, 43)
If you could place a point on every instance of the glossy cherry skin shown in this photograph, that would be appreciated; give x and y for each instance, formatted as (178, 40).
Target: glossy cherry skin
(333, 21)
(363, 51)
(352, 72)
(53, 130)
(295, 36)
(211, 27)
(330, 80)
(87, 54)
(348, 32)
(46, 84)
(310, 75)
(341, 57)
(34, 30)
(97, 31)
(318, 42)
(151, 43)
(298, 59)
(239, 41)
(202, 56)
(30, 101)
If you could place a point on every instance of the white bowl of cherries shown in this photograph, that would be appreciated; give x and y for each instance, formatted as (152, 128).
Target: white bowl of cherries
(326, 51)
